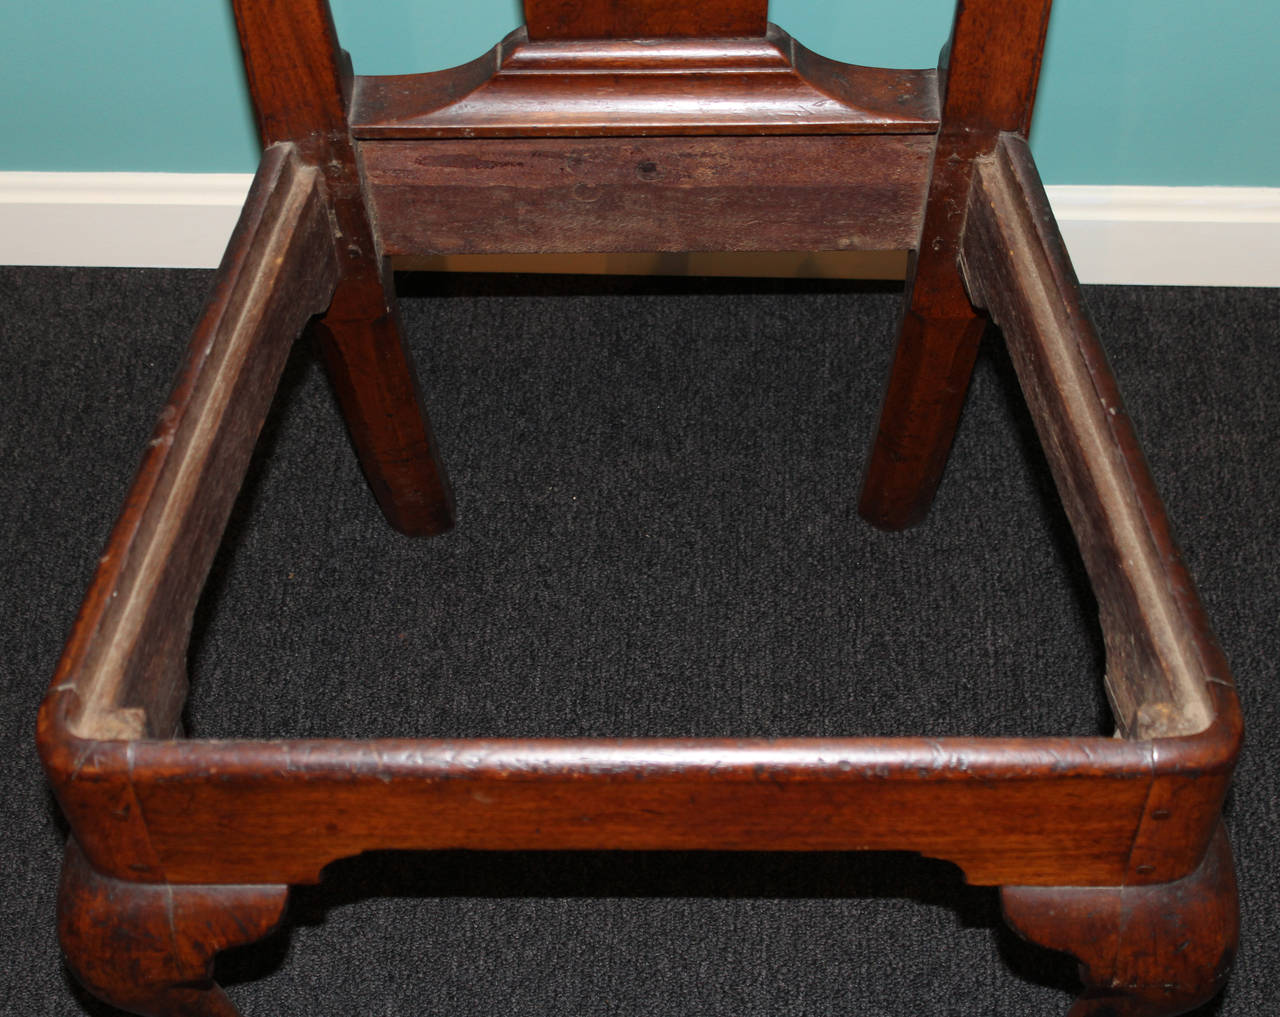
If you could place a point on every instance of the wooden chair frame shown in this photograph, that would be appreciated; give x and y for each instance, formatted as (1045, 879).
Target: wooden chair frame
(650, 126)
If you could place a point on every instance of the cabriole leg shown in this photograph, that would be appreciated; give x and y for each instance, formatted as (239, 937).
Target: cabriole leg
(148, 948)
(1144, 951)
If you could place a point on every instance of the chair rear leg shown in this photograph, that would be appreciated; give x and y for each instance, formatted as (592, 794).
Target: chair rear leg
(370, 366)
(301, 83)
(937, 345)
(987, 78)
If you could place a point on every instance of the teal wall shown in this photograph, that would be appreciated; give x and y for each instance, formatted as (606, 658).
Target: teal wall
(1133, 91)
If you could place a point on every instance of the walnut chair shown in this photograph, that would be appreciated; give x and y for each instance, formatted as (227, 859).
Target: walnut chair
(649, 125)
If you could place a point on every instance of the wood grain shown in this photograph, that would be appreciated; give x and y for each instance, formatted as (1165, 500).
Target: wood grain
(1036, 812)
(301, 85)
(989, 71)
(149, 948)
(712, 132)
(646, 87)
(1145, 951)
(658, 194)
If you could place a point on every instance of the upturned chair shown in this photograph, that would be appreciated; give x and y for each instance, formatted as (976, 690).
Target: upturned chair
(651, 125)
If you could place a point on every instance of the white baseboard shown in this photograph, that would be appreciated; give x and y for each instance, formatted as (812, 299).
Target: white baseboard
(145, 220)
(1172, 236)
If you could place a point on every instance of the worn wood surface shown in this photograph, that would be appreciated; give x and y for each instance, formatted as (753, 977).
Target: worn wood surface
(1046, 811)
(1145, 951)
(645, 87)
(128, 653)
(1159, 670)
(654, 194)
(182, 848)
(301, 84)
(988, 81)
(1026, 812)
(149, 948)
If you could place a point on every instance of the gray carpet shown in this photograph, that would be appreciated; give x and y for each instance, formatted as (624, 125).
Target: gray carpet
(657, 486)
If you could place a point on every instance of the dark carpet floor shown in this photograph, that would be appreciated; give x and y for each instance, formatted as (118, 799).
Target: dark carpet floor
(657, 486)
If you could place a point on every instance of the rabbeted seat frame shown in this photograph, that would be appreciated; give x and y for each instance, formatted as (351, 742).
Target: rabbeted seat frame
(656, 125)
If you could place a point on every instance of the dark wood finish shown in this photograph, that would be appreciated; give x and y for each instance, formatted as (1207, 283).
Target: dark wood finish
(573, 19)
(496, 196)
(149, 948)
(301, 84)
(989, 73)
(1043, 811)
(629, 87)
(1105, 846)
(374, 378)
(1145, 951)
(1151, 950)
(1122, 811)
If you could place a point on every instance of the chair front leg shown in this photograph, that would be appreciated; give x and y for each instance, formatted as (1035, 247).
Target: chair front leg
(148, 948)
(1144, 951)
